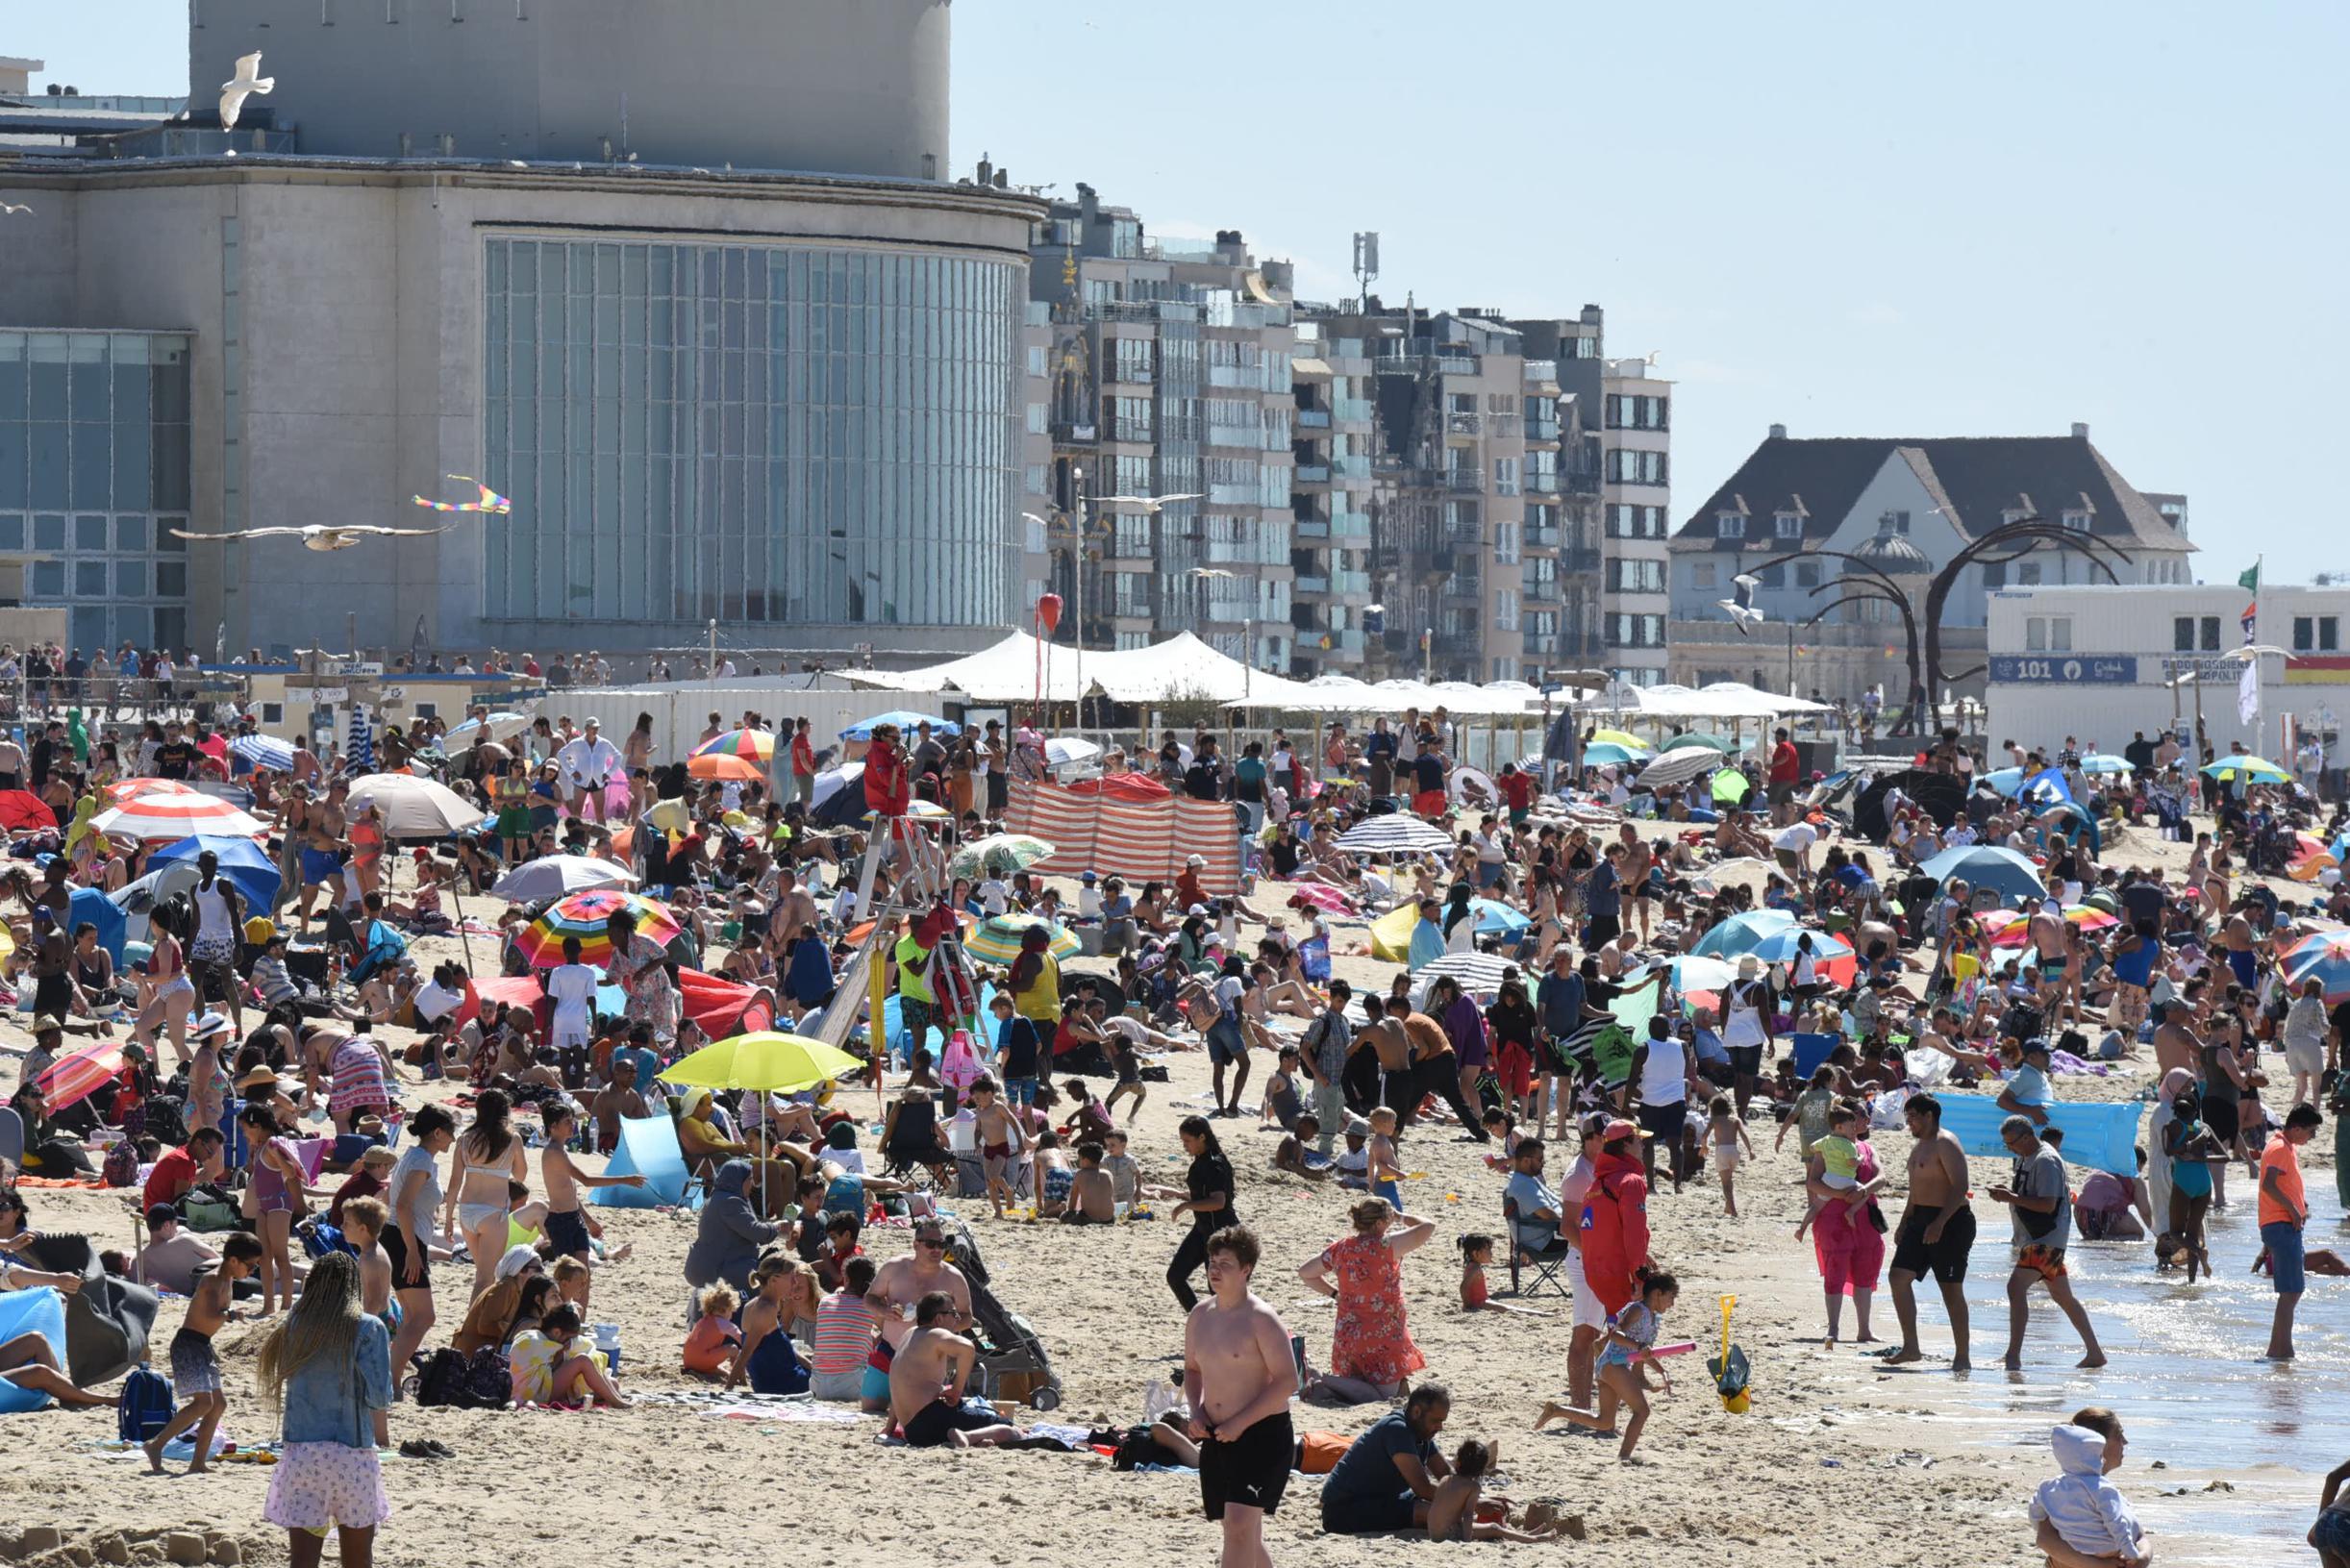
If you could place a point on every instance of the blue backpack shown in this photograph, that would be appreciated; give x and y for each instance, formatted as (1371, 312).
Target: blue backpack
(143, 1409)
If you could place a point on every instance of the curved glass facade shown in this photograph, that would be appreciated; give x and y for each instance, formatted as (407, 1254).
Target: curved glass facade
(766, 433)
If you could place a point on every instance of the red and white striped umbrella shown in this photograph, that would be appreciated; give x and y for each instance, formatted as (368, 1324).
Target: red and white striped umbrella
(172, 817)
(77, 1075)
(129, 788)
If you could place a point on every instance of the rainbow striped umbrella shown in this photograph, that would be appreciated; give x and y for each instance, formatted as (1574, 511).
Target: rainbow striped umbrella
(751, 745)
(2322, 955)
(996, 940)
(77, 1075)
(172, 817)
(586, 916)
(2013, 928)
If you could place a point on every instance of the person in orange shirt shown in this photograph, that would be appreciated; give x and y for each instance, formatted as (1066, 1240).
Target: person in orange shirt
(2285, 1210)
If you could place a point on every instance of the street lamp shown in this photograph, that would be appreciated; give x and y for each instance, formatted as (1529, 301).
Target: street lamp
(1073, 525)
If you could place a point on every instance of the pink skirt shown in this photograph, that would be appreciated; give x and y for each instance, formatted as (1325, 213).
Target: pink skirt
(321, 1485)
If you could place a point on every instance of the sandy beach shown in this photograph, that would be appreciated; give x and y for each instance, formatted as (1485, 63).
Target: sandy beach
(1839, 1459)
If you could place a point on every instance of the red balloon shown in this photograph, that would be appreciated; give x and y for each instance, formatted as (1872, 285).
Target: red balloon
(1048, 612)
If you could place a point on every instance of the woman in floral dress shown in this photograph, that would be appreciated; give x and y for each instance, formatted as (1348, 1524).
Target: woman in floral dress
(1371, 1352)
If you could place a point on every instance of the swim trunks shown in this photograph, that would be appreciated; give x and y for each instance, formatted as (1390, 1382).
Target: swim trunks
(194, 1368)
(567, 1234)
(2048, 1262)
(1252, 1469)
(1944, 1259)
(939, 1420)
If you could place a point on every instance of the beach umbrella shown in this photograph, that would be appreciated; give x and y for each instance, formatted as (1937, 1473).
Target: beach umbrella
(1700, 738)
(751, 745)
(2323, 956)
(999, 853)
(726, 769)
(2104, 763)
(242, 863)
(1606, 753)
(1679, 766)
(172, 817)
(2004, 781)
(996, 940)
(23, 811)
(414, 808)
(1698, 972)
(1781, 946)
(80, 1073)
(2251, 769)
(1619, 738)
(832, 780)
(264, 752)
(1065, 751)
(1740, 933)
(1474, 788)
(939, 729)
(1394, 834)
(1495, 918)
(359, 750)
(2003, 871)
(1475, 971)
(552, 876)
(1730, 786)
(765, 1060)
(584, 915)
(115, 794)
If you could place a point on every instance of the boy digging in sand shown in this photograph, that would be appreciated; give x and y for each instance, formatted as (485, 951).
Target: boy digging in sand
(195, 1370)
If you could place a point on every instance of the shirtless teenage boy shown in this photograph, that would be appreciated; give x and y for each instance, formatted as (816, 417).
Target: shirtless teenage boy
(1241, 1373)
(567, 1222)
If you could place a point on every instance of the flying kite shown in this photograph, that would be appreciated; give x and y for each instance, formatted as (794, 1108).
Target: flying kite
(491, 500)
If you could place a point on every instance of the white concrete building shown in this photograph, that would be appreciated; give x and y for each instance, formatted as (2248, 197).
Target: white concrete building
(573, 249)
(2103, 664)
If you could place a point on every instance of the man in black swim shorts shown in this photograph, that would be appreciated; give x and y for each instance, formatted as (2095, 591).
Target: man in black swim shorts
(926, 1382)
(1936, 1230)
(1241, 1372)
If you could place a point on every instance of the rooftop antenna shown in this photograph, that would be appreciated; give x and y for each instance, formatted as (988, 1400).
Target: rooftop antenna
(1366, 268)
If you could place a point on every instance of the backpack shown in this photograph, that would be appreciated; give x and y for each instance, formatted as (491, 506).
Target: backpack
(166, 1120)
(144, 1406)
(122, 1167)
(488, 1382)
(440, 1378)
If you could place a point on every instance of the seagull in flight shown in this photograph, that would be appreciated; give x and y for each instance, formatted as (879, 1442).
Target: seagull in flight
(1741, 608)
(1148, 503)
(12, 208)
(316, 535)
(247, 80)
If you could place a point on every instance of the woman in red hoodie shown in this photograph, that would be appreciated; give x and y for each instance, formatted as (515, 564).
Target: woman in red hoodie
(1615, 1219)
(888, 790)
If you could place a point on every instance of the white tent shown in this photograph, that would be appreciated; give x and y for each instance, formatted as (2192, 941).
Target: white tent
(1005, 672)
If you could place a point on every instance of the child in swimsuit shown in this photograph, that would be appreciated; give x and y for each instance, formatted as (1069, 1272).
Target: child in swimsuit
(1383, 1172)
(1840, 1160)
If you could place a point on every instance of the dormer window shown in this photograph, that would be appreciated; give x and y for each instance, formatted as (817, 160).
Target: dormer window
(1730, 525)
(1787, 525)
(2076, 521)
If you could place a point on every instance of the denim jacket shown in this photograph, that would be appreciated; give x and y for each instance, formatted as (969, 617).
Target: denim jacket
(328, 1402)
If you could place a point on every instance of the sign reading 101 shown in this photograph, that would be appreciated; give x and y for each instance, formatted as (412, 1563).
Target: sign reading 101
(2064, 669)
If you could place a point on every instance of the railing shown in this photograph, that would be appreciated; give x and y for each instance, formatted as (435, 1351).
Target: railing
(1311, 473)
(1243, 378)
(1579, 558)
(1542, 370)
(1350, 583)
(1312, 418)
(1464, 424)
(1308, 527)
(1352, 411)
(1132, 429)
(1251, 436)
(1313, 584)
(1348, 465)
(1182, 427)
(1457, 587)
(1583, 481)
(1350, 525)
(1073, 435)
(1232, 495)
(1541, 484)
(1543, 538)
(1541, 430)
(1128, 373)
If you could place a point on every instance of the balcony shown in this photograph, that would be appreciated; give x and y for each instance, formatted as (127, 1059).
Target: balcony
(1136, 431)
(1464, 424)
(1541, 372)
(1236, 377)
(1233, 495)
(1541, 484)
(1351, 465)
(1310, 528)
(1543, 538)
(1309, 473)
(1066, 433)
(1579, 558)
(1470, 480)
(1350, 525)
(1127, 374)
(1310, 584)
(1457, 587)
(1350, 585)
(1310, 419)
(1352, 411)
(1541, 430)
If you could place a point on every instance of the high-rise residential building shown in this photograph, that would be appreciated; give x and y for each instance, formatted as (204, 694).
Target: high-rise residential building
(576, 250)
(1170, 371)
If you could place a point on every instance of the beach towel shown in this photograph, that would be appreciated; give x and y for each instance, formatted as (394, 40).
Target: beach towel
(2097, 1137)
(41, 1311)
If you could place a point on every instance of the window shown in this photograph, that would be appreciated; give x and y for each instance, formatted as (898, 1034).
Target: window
(1894, 522)
(1036, 423)
(1730, 525)
(2183, 633)
(1774, 577)
(2316, 634)
(1806, 574)
(2059, 633)
(1629, 467)
(1504, 476)
(2209, 629)
(1129, 360)
(2329, 633)
(1626, 411)
(1635, 576)
(2035, 634)
(1996, 575)
(1504, 543)
(2027, 573)
(1787, 525)
(1702, 575)
(2076, 521)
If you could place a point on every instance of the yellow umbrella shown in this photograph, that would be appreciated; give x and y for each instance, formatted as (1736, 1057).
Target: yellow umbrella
(1618, 737)
(764, 1060)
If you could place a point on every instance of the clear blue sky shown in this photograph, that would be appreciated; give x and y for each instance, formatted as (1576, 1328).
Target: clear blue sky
(1851, 218)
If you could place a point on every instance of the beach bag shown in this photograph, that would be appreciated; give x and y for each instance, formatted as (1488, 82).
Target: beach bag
(122, 1167)
(2021, 1020)
(209, 1215)
(166, 1120)
(144, 1407)
(488, 1382)
(440, 1378)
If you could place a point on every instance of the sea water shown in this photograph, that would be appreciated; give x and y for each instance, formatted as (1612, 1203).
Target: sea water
(2184, 1373)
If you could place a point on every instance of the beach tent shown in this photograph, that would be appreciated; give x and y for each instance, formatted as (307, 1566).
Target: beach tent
(2003, 871)
(241, 863)
(101, 911)
(648, 1147)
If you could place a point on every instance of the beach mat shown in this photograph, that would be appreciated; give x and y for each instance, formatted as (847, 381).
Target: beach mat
(648, 1147)
(2097, 1137)
(41, 1311)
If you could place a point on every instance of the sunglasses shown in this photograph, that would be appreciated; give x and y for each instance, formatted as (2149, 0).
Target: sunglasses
(930, 1241)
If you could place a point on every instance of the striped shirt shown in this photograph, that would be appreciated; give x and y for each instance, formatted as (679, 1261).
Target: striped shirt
(844, 1333)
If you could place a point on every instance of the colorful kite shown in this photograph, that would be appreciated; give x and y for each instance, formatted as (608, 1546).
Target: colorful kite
(491, 501)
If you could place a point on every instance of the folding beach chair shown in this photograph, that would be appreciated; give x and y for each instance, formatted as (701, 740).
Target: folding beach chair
(1544, 1265)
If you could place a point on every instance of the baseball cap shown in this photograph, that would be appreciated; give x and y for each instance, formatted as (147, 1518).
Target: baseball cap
(1621, 1129)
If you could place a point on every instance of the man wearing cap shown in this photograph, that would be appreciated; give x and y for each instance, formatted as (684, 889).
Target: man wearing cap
(171, 1257)
(180, 1171)
(588, 765)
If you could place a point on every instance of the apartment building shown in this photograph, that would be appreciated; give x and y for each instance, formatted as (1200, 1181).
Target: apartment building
(1168, 369)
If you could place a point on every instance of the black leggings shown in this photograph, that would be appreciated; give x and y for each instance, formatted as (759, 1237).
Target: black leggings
(1192, 1255)
(1440, 1076)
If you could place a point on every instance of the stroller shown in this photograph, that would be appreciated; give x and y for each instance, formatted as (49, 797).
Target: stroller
(1013, 1362)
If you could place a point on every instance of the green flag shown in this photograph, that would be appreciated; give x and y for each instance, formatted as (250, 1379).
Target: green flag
(2250, 581)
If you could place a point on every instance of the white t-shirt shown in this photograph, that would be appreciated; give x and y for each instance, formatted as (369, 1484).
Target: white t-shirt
(1795, 837)
(993, 896)
(1088, 901)
(435, 1000)
(572, 989)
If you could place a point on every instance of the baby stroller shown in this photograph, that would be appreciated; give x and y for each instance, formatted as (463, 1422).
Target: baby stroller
(1013, 1362)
